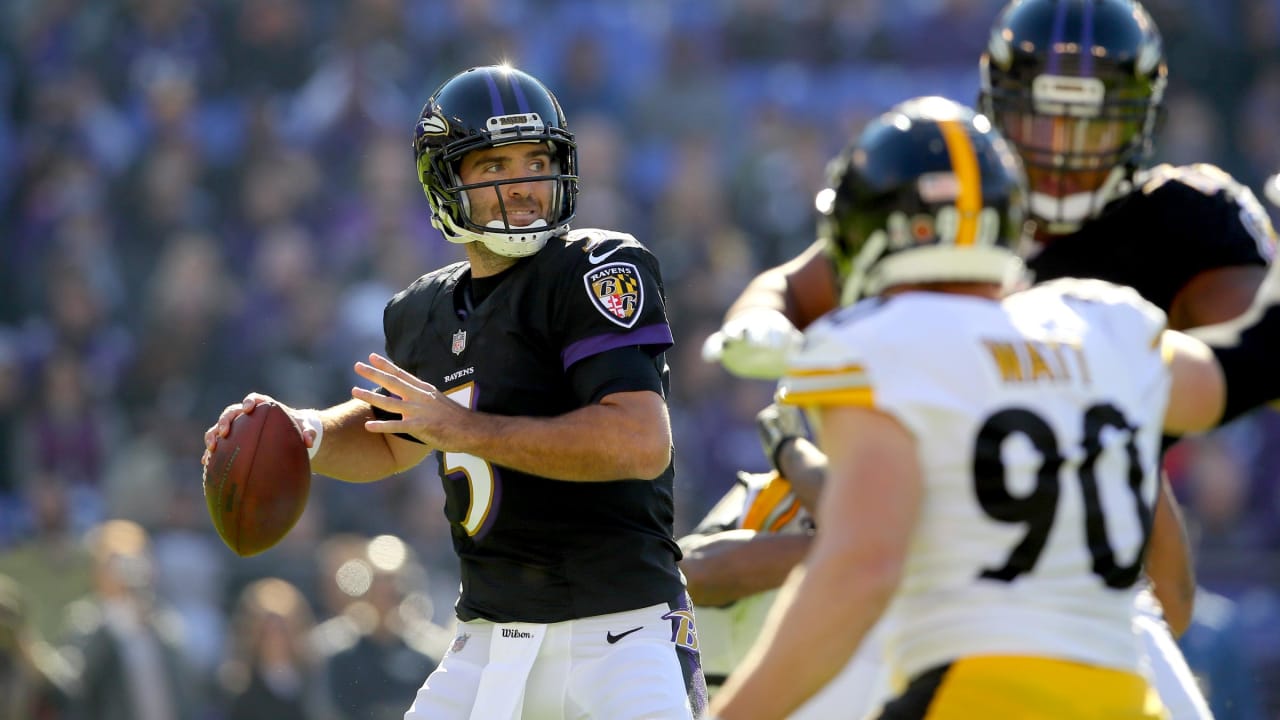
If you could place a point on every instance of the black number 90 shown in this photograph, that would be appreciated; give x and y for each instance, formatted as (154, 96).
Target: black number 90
(1038, 508)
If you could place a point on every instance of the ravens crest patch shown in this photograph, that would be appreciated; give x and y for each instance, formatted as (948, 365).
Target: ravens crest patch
(616, 291)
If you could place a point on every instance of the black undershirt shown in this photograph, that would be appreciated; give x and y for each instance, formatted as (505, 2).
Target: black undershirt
(483, 287)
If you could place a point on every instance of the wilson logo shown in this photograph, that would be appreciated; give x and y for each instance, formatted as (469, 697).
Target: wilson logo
(513, 633)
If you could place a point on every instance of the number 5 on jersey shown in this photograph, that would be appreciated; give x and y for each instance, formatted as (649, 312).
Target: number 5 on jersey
(478, 471)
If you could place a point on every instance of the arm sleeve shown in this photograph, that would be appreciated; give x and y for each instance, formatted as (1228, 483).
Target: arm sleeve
(1246, 348)
(624, 369)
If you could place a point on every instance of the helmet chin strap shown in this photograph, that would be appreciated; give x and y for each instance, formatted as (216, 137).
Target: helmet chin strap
(507, 244)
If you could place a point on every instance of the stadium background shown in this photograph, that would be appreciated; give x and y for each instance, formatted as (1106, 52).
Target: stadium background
(203, 198)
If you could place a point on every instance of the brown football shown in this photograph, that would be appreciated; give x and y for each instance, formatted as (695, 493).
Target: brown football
(257, 481)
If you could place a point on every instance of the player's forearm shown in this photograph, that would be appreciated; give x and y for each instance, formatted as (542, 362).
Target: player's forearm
(802, 288)
(1169, 564)
(766, 290)
(350, 453)
(627, 436)
(735, 564)
(805, 465)
(798, 653)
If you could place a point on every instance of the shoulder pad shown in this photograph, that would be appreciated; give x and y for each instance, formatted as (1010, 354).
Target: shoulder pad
(860, 310)
(1143, 317)
(1206, 178)
(436, 277)
(592, 238)
(1091, 290)
(1212, 181)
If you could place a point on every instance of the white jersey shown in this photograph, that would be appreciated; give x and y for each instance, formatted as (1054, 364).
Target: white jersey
(1038, 425)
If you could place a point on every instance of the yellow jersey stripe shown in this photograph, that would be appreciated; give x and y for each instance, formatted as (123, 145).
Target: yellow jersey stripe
(1165, 346)
(861, 396)
(824, 372)
(964, 160)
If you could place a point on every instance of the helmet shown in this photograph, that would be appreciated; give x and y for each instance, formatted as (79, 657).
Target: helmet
(1076, 86)
(929, 192)
(487, 107)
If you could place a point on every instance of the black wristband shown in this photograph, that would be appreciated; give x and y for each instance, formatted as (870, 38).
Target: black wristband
(778, 449)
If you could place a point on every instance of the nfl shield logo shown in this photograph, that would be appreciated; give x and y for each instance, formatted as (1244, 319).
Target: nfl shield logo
(459, 642)
(459, 342)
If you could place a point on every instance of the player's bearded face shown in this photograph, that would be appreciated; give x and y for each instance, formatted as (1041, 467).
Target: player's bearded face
(509, 186)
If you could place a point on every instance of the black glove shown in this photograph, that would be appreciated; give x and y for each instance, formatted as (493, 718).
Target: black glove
(778, 425)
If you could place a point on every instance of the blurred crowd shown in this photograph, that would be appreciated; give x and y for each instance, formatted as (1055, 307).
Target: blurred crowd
(202, 198)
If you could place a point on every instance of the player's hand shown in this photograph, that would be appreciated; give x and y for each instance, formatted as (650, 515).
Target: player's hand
(425, 413)
(755, 343)
(777, 425)
(222, 427)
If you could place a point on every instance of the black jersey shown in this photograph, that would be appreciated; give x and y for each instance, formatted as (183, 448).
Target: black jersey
(1177, 223)
(534, 549)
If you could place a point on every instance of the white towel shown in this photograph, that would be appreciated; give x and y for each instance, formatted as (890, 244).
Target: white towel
(513, 649)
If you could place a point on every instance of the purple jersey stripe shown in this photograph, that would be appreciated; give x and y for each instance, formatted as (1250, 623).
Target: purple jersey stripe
(1086, 41)
(647, 335)
(495, 96)
(1055, 38)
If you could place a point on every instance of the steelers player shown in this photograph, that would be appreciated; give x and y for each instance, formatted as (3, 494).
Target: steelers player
(993, 460)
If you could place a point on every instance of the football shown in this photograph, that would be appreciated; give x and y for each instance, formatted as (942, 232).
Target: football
(258, 479)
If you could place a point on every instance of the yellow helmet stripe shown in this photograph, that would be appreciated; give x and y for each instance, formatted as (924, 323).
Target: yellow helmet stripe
(964, 160)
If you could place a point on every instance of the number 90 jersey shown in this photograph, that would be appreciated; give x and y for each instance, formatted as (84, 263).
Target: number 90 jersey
(1037, 421)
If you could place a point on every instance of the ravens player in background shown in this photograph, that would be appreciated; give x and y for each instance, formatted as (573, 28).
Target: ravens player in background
(536, 371)
(1076, 86)
(993, 458)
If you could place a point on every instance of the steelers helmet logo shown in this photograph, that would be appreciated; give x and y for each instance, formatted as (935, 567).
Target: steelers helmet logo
(616, 291)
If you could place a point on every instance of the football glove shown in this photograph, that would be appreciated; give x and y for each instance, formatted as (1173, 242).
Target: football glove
(778, 424)
(755, 344)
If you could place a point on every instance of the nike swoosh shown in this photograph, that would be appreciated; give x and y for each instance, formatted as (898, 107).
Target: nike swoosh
(611, 638)
(597, 259)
